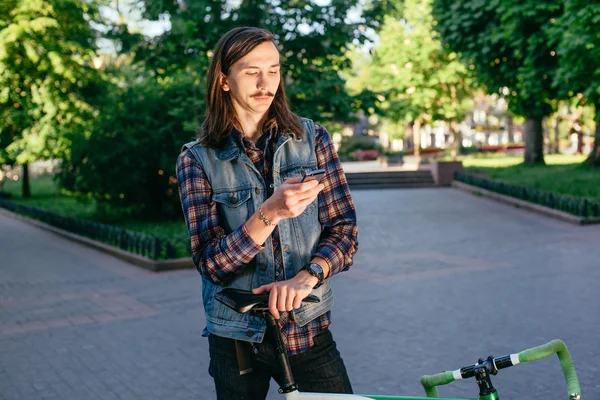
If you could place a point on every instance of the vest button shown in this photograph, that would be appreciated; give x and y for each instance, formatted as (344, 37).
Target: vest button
(249, 333)
(262, 267)
(257, 190)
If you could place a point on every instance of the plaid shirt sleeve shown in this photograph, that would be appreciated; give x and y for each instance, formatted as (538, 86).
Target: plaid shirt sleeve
(218, 257)
(339, 239)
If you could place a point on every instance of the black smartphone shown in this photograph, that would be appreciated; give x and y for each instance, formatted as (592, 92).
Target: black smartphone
(317, 175)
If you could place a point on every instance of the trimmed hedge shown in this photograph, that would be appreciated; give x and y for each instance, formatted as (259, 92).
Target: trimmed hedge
(155, 248)
(579, 206)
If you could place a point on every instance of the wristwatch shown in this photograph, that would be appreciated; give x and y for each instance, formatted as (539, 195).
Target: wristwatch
(316, 271)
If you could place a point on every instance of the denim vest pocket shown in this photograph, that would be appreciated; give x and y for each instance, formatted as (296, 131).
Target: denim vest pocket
(222, 321)
(233, 208)
(213, 308)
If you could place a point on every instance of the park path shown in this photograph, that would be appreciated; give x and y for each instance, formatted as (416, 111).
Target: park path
(441, 278)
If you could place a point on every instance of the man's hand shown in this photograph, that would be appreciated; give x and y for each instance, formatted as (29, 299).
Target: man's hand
(291, 199)
(288, 295)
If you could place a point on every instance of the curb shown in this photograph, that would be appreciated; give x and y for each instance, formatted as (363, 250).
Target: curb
(526, 205)
(131, 258)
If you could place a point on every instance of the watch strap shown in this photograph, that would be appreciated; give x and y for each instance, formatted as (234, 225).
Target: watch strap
(320, 279)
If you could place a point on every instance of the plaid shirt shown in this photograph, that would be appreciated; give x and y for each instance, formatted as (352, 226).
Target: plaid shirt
(219, 257)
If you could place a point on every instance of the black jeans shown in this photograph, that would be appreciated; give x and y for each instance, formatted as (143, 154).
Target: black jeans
(320, 369)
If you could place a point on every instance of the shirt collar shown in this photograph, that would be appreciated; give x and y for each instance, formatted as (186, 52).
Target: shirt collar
(235, 142)
(261, 144)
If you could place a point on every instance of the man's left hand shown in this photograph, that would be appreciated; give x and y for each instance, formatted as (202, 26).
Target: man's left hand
(288, 295)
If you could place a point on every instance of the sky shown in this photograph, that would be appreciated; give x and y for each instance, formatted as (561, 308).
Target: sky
(154, 28)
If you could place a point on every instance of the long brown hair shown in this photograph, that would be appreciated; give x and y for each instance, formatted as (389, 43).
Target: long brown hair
(220, 114)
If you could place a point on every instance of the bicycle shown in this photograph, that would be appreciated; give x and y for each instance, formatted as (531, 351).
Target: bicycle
(245, 301)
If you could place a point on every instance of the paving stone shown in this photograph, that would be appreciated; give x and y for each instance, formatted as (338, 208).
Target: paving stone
(441, 278)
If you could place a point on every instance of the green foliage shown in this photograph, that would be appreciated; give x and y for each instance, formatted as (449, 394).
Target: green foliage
(394, 129)
(350, 144)
(563, 174)
(156, 103)
(558, 175)
(128, 161)
(579, 48)
(580, 206)
(511, 46)
(312, 59)
(47, 85)
(507, 43)
(415, 78)
(47, 195)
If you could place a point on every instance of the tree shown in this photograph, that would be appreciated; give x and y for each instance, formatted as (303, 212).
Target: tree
(127, 163)
(508, 43)
(157, 104)
(314, 40)
(579, 50)
(417, 80)
(46, 77)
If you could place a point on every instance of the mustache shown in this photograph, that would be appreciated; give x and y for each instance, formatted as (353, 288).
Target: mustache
(263, 94)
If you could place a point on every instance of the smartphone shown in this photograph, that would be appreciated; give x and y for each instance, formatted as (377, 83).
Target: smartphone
(317, 175)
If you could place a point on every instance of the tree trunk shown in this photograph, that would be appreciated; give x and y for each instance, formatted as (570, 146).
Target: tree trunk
(579, 142)
(546, 135)
(25, 177)
(534, 141)
(510, 127)
(594, 157)
(417, 137)
(408, 136)
(556, 145)
(456, 139)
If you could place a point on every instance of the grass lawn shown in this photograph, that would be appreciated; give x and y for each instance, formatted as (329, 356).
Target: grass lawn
(563, 174)
(45, 195)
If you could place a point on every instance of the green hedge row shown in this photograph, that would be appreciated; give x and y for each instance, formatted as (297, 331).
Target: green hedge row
(579, 206)
(155, 248)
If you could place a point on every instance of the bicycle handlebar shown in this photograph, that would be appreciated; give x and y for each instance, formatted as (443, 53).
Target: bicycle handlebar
(564, 357)
(430, 382)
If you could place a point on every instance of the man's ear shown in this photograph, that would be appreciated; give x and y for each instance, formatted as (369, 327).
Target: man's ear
(223, 82)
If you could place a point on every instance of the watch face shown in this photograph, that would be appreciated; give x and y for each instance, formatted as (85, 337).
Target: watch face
(316, 268)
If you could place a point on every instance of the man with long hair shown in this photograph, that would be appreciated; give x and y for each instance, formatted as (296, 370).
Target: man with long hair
(255, 226)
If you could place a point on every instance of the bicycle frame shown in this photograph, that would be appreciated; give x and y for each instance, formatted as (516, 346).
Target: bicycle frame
(481, 371)
(329, 396)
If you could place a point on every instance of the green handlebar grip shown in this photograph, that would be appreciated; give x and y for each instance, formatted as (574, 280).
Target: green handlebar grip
(429, 382)
(566, 363)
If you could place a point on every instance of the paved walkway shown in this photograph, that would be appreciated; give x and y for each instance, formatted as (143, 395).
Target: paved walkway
(441, 279)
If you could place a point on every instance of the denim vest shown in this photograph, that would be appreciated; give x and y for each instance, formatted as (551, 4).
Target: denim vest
(238, 190)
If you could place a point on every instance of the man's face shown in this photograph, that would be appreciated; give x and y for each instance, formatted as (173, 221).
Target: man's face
(253, 80)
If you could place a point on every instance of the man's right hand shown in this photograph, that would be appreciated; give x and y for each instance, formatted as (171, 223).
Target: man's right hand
(291, 199)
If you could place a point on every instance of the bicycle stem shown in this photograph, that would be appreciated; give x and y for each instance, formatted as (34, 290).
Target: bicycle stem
(287, 384)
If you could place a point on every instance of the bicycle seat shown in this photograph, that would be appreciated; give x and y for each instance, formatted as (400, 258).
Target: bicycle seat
(243, 301)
